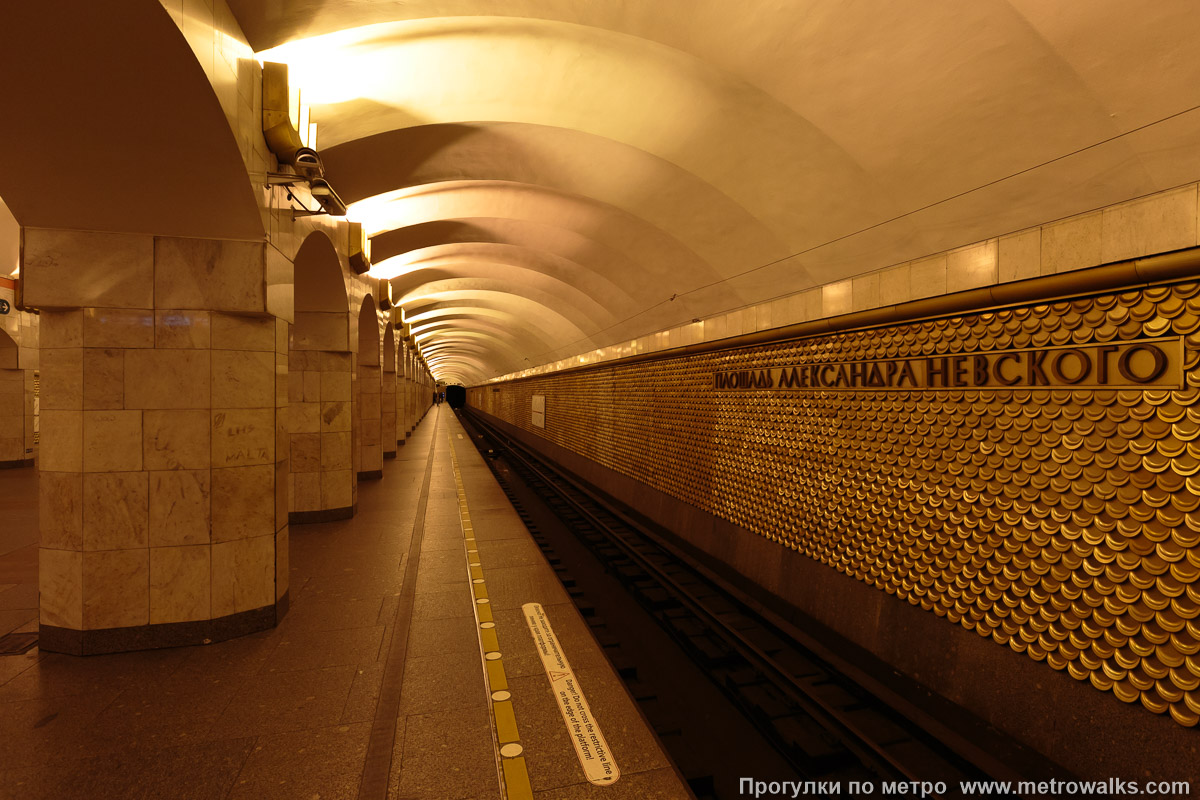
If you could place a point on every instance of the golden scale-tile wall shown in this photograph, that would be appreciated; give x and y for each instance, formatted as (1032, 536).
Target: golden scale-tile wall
(1064, 524)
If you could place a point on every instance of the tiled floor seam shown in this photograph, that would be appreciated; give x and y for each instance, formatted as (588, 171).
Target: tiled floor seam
(377, 765)
(242, 767)
(513, 771)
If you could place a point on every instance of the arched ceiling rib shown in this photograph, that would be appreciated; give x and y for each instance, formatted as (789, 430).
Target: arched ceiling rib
(510, 263)
(699, 156)
(638, 182)
(514, 306)
(545, 329)
(523, 338)
(112, 125)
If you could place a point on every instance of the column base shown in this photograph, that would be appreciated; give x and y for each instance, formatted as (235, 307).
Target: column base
(370, 475)
(16, 464)
(321, 515)
(389, 454)
(53, 639)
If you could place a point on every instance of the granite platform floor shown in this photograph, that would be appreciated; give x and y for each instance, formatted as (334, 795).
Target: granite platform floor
(294, 711)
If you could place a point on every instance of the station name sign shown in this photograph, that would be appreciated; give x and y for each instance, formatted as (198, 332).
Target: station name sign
(1141, 364)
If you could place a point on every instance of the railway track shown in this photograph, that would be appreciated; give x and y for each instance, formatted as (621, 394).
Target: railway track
(825, 725)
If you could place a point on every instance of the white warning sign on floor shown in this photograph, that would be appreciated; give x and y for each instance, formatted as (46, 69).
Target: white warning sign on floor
(590, 746)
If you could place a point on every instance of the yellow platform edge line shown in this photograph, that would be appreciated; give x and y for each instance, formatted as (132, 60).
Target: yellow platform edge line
(516, 779)
(513, 771)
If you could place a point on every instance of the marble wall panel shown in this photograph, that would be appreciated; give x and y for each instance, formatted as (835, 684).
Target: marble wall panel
(1156, 224)
(62, 378)
(1071, 244)
(335, 361)
(60, 587)
(312, 386)
(304, 418)
(335, 416)
(176, 439)
(1019, 256)
(865, 292)
(243, 437)
(971, 267)
(295, 386)
(107, 327)
(179, 503)
(243, 574)
(927, 277)
(894, 287)
(306, 491)
(116, 588)
(168, 379)
(60, 506)
(306, 452)
(236, 332)
(337, 489)
(335, 386)
(78, 269)
(243, 379)
(281, 381)
(62, 441)
(370, 406)
(61, 328)
(103, 378)
(182, 329)
(115, 510)
(336, 451)
(320, 330)
(180, 583)
(209, 274)
(243, 502)
(112, 441)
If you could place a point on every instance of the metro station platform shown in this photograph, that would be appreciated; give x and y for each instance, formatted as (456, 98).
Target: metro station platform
(406, 667)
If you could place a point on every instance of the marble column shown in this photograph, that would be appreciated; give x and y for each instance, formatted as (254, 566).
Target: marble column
(370, 420)
(387, 397)
(413, 417)
(18, 366)
(321, 477)
(163, 508)
(12, 417)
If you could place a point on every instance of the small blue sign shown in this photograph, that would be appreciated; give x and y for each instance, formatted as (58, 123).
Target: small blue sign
(4, 306)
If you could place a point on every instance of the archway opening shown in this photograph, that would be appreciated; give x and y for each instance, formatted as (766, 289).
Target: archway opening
(320, 365)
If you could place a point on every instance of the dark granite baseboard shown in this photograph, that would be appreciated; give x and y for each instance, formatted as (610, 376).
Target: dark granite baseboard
(320, 515)
(370, 475)
(389, 454)
(17, 464)
(153, 637)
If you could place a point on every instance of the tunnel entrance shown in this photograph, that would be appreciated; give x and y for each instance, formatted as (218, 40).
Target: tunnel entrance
(456, 395)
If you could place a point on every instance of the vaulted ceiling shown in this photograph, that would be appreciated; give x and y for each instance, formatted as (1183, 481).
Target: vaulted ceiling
(544, 177)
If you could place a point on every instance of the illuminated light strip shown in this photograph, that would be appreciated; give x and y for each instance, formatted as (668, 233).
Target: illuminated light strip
(590, 746)
(513, 773)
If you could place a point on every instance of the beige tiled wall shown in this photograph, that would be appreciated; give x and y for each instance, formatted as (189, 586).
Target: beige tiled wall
(1145, 226)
